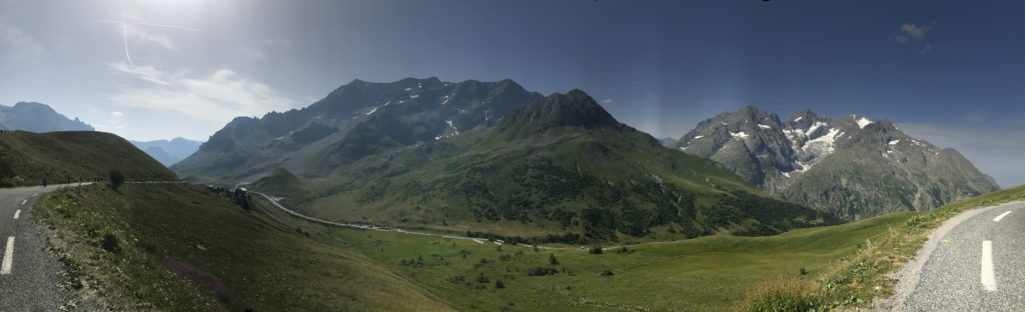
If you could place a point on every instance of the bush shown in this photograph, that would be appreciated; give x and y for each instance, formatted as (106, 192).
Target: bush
(499, 285)
(541, 271)
(110, 243)
(784, 294)
(595, 250)
(552, 260)
(606, 273)
(116, 179)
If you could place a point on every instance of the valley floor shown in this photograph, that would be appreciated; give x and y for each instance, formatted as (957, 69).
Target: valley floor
(178, 247)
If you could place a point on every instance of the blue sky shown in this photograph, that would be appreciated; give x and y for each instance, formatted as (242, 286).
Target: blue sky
(948, 71)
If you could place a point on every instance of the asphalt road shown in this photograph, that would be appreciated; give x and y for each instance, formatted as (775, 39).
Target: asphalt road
(977, 265)
(29, 275)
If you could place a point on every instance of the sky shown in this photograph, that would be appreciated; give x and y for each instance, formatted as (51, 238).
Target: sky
(950, 72)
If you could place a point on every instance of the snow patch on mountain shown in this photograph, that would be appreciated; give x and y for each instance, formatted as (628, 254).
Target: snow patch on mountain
(862, 122)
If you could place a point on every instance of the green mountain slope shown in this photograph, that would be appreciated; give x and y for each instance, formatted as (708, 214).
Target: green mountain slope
(177, 247)
(58, 157)
(558, 165)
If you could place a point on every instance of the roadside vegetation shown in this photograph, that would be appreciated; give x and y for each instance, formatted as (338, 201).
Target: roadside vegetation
(178, 247)
(867, 274)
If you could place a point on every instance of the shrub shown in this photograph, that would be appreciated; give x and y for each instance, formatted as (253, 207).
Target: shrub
(110, 243)
(606, 273)
(784, 294)
(552, 260)
(116, 179)
(595, 250)
(541, 271)
(499, 285)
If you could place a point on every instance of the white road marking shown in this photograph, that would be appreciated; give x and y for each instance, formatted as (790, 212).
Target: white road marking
(5, 267)
(1001, 216)
(17, 213)
(989, 281)
(23, 201)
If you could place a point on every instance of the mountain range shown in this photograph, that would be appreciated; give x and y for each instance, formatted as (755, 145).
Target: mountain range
(356, 120)
(169, 152)
(487, 157)
(853, 166)
(37, 117)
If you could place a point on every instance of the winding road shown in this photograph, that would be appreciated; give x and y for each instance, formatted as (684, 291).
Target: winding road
(29, 275)
(974, 262)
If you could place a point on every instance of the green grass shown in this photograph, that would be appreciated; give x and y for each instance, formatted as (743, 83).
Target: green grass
(181, 248)
(58, 157)
(708, 273)
(268, 260)
(853, 281)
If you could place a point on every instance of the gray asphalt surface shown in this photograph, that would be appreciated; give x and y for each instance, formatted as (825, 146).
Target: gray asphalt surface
(952, 277)
(32, 284)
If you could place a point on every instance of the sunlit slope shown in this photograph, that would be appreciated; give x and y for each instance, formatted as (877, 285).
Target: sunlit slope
(181, 248)
(28, 158)
(704, 274)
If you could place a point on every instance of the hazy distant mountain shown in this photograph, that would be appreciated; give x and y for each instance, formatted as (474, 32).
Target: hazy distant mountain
(853, 166)
(169, 152)
(357, 119)
(36, 117)
(558, 164)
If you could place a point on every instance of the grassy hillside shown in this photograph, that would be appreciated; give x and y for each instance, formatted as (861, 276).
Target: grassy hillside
(176, 247)
(710, 273)
(28, 158)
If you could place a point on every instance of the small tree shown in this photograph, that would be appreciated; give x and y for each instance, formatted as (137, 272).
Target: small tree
(116, 179)
(552, 260)
(499, 285)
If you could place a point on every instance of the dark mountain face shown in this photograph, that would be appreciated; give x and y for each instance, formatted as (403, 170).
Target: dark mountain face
(36, 117)
(169, 152)
(353, 121)
(557, 165)
(853, 166)
(573, 109)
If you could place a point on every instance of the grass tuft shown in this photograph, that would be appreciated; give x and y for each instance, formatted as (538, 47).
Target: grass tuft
(783, 294)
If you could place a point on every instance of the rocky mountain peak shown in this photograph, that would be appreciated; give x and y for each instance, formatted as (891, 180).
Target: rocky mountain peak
(572, 109)
(808, 147)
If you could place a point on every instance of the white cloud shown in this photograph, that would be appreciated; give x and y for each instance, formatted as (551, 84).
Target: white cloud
(139, 35)
(116, 114)
(606, 101)
(214, 98)
(910, 32)
(917, 32)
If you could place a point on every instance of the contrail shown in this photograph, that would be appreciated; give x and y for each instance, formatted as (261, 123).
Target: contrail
(124, 38)
(151, 24)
